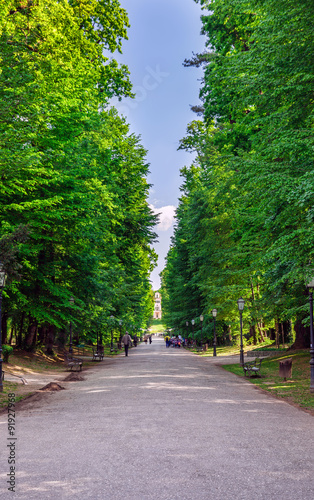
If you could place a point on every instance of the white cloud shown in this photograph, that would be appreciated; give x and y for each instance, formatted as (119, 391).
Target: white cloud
(165, 216)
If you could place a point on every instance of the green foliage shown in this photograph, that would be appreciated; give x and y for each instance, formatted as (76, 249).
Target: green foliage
(244, 222)
(157, 326)
(73, 200)
(7, 350)
(295, 390)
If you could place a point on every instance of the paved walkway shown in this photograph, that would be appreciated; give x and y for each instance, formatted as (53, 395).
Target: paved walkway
(162, 424)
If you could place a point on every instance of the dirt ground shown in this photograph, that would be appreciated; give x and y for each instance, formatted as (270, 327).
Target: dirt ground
(33, 385)
(39, 385)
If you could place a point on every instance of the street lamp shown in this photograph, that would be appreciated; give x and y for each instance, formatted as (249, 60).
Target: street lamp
(214, 313)
(3, 277)
(193, 323)
(241, 303)
(310, 287)
(111, 343)
(201, 320)
(71, 300)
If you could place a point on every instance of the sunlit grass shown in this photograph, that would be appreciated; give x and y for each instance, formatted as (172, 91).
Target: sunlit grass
(8, 387)
(295, 390)
(157, 326)
(228, 350)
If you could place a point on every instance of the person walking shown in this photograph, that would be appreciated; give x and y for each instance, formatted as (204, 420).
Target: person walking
(126, 339)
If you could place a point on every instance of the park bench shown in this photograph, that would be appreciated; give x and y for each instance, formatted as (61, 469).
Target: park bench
(22, 379)
(98, 353)
(72, 362)
(252, 367)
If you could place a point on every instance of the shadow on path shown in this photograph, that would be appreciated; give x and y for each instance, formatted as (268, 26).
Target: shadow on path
(161, 424)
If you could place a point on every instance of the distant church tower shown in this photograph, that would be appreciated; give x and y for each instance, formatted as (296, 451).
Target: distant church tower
(157, 308)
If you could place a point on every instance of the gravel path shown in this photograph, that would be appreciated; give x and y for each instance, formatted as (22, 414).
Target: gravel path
(161, 424)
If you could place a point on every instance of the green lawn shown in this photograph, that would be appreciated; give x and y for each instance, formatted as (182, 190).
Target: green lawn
(294, 390)
(157, 326)
(229, 350)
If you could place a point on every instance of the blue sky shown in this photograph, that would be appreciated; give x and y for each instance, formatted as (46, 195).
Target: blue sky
(162, 34)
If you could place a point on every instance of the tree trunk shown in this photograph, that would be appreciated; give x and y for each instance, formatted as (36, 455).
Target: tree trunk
(253, 334)
(286, 325)
(302, 338)
(50, 337)
(253, 329)
(277, 334)
(11, 335)
(272, 334)
(76, 338)
(282, 335)
(20, 333)
(259, 326)
(41, 334)
(30, 339)
(230, 334)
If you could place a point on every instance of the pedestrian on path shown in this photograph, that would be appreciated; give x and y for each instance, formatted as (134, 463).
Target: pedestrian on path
(126, 339)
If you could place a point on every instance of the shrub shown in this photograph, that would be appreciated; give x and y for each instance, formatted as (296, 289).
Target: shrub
(7, 350)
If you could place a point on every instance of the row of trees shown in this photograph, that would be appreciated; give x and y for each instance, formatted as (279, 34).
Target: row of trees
(245, 218)
(75, 221)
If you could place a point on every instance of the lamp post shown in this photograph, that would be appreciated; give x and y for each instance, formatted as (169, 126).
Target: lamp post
(71, 300)
(214, 313)
(3, 277)
(201, 320)
(241, 303)
(111, 343)
(193, 323)
(310, 287)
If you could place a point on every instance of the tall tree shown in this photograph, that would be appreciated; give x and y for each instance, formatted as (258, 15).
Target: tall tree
(70, 172)
(255, 152)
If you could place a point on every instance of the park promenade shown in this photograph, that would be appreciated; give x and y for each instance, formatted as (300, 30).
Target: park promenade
(160, 424)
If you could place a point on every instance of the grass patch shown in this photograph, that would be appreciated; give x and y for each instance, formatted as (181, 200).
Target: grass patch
(270, 349)
(157, 326)
(108, 352)
(7, 388)
(295, 390)
(229, 350)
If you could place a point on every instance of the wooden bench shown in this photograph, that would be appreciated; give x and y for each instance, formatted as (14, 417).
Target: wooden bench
(22, 379)
(252, 367)
(72, 362)
(98, 353)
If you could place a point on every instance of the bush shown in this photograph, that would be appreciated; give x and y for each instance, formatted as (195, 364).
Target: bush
(7, 350)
